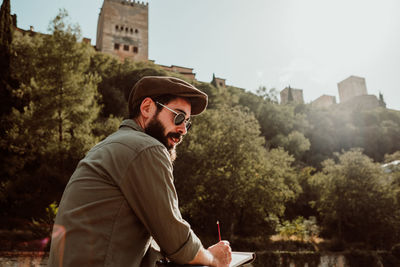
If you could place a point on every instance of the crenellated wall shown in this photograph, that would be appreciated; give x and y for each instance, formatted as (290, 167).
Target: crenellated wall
(122, 29)
(129, 2)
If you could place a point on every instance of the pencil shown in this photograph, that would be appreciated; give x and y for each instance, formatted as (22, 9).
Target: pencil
(219, 231)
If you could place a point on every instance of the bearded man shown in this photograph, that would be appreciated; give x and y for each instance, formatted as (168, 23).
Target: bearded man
(121, 197)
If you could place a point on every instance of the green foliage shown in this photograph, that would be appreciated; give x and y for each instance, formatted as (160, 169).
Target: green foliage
(105, 126)
(301, 206)
(377, 131)
(225, 174)
(52, 127)
(295, 143)
(270, 95)
(43, 226)
(5, 41)
(302, 229)
(118, 80)
(280, 125)
(381, 100)
(392, 157)
(217, 96)
(61, 99)
(7, 83)
(356, 201)
(244, 162)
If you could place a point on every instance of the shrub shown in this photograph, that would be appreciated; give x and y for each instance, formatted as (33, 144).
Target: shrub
(300, 228)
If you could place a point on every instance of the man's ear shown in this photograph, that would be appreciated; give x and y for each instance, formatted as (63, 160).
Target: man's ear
(147, 108)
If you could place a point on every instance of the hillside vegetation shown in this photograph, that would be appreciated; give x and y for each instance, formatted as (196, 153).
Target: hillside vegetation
(258, 167)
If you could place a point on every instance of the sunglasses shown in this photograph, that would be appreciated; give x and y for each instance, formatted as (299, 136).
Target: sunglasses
(179, 117)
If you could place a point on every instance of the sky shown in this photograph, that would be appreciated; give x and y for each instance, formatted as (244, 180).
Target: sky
(306, 44)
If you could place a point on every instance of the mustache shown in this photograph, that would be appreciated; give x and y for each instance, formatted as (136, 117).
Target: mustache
(175, 135)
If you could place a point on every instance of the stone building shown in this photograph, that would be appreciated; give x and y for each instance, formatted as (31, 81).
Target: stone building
(351, 87)
(187, 72)
(122, 29)
(218, 82)
(297, 95)
(324, 101)
(361, 102)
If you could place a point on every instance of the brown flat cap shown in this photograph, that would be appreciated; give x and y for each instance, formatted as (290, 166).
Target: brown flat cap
(150, 86)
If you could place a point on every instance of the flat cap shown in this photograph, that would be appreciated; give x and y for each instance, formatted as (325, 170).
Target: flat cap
(151, 86)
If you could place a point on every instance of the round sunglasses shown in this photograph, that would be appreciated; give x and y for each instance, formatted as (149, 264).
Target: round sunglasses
(179, 117)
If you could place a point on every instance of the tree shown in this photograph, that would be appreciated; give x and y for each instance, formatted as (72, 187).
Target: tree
(382, 102)
(356, 201)
(295, 143)
(270, 95)
(7, 83)
(224, 173)
(5, 54)
(392, 157)
(277, 122)
(117, 80)
(5, 88)
(301, 205)
(330, 130)
(55, 127)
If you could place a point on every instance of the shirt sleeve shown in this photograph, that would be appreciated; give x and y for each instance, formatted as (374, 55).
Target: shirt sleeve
(149, 189)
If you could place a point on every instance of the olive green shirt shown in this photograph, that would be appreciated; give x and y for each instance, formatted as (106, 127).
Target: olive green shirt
(120, 196)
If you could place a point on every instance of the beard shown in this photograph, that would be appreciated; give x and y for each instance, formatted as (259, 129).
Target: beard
(156, 130)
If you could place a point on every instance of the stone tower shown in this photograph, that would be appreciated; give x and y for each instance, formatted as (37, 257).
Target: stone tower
(297, 95)
(324, 101)
(351, 87)
(123, 29)
(218, 82)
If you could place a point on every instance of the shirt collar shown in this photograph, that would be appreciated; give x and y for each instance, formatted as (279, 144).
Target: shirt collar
(131, 124)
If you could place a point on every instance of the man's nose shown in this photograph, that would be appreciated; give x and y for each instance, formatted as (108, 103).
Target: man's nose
(182, 128)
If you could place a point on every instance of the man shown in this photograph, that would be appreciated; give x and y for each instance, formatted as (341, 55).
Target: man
(121, 195)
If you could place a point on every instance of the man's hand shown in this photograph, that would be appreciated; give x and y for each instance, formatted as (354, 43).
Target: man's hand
(222, 254)
(218, 255)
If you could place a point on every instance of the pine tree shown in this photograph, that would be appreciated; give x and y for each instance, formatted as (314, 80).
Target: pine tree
(214, 82)
(54, 129)
(5, 54)
(5, 37)
(6, 101)
(381, 100)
